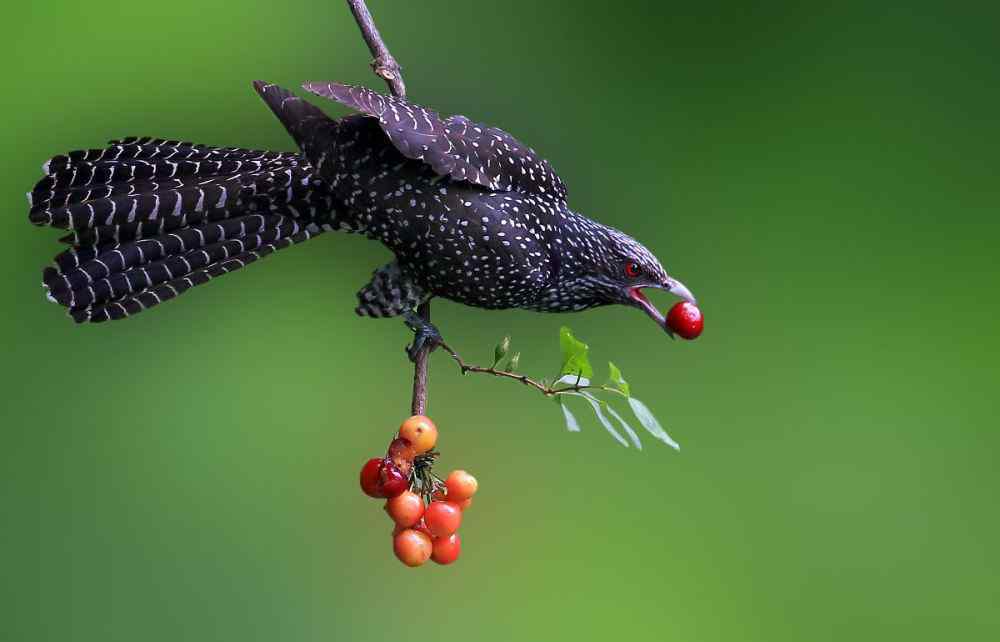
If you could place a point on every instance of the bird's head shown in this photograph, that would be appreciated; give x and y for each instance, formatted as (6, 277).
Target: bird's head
(614, 268)
(633, 268)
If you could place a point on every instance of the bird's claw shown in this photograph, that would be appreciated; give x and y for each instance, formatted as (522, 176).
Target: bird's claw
(425, 335)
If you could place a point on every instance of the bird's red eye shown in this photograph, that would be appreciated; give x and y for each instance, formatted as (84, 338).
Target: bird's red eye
(632, 269)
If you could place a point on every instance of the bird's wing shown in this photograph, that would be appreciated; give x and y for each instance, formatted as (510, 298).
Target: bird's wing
(455, 147)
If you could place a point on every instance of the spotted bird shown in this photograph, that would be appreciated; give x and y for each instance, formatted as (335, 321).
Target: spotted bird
(470, 213)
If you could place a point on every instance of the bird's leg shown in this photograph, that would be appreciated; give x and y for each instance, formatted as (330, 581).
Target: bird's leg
(425, 334)
(394, 292)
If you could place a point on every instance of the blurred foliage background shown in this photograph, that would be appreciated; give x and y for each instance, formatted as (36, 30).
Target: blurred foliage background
(823, 178)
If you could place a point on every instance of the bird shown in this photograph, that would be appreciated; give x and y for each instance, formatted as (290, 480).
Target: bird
(470, 214)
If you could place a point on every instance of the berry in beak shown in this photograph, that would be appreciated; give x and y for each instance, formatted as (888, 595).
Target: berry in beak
(636, 295)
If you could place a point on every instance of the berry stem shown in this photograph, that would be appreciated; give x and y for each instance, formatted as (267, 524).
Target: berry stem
(423, 481)
(388, 69)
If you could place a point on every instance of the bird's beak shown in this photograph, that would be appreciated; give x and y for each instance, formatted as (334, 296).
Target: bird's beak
(670, 285)
(678, 288)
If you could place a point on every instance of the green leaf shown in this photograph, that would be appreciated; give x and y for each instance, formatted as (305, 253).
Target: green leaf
(572, 424)
(500, 351)
(649, 422)
(573, 380)
(616, 380)
(574, 355)
(595, 403)
(628, 429)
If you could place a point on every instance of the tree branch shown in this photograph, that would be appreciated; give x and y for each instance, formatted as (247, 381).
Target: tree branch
(386, 68)
(383, 64)
(540, 386)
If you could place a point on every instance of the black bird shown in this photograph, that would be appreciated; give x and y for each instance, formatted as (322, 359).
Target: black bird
(470, 213)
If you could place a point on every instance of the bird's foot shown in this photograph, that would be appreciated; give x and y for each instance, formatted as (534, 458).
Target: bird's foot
(425, 335)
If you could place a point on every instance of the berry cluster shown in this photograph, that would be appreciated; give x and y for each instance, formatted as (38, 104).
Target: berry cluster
(426, 510)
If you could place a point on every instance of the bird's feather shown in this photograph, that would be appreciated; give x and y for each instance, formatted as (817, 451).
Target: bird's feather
(456, 146)
(151, 218)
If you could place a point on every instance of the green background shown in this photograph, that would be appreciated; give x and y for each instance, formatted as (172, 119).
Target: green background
(824, 179)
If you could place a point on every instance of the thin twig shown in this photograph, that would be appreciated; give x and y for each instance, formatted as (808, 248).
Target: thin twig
(384, 65)
(547, 390)
(386, 68)
(418, 406)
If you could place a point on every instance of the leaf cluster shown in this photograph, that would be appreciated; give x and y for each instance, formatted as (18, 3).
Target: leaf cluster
(574, 380)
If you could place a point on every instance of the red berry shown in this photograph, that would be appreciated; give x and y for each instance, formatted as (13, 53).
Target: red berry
(413, 548)
(685, 319)
(392, 481)
(369, 477)
(419, 431)
(446, 550)
(401, 452)
(465, 503)
(381, 478)
(443, 518)
(461, 485)
(405, 509)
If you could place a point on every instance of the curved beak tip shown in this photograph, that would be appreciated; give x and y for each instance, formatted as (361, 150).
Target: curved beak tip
(679, 289)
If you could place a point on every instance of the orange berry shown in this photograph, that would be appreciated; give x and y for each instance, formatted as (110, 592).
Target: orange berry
(411, 547)
(461, 485)
(420, 432)
(405, 509)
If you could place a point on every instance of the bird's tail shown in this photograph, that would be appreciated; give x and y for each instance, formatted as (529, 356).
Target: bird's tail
(313, 131)
(150, 219)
